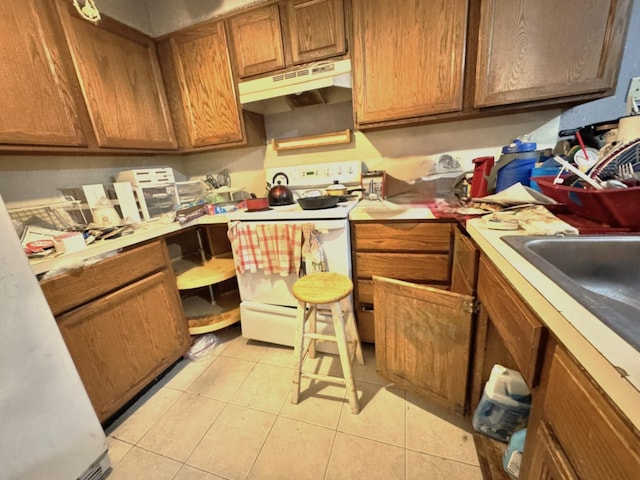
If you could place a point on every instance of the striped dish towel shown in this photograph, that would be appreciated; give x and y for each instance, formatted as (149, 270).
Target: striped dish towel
(273, 248)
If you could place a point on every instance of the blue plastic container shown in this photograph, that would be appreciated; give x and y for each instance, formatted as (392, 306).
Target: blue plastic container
(504, 406)
(512, 458)
(518, 170)
(542, 172)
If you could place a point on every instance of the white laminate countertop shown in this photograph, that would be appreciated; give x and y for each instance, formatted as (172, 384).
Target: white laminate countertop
(593, 344)
(143, 232)
(386, 210)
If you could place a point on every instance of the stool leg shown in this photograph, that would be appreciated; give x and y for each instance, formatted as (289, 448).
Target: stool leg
(298, 351)
(352, 333)
(345, 361)
(313, 317)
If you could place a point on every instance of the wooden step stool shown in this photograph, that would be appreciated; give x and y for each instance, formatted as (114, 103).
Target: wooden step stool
(311, 291)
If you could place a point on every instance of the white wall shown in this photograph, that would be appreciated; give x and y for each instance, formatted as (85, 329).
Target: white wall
(406, 153)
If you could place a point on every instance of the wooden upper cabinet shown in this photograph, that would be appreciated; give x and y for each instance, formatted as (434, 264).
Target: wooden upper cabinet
(528, 50)
(316, 29)
(408, 58)
(257, 41)
(198, 61)
(121, 82)
(42, 100)
(294, 32)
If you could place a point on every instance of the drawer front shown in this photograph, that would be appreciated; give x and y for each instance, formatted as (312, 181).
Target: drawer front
(80, 286)
(404, 266)
(366, 325)
(521, 330)
(597, 441)
(422, 237)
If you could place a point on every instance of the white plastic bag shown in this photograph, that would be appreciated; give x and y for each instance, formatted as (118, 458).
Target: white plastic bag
(202, 347)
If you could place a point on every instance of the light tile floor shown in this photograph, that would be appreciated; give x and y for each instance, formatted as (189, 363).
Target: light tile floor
(228, 416)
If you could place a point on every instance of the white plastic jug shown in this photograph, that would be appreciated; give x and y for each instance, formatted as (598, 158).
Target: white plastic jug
(504, 407)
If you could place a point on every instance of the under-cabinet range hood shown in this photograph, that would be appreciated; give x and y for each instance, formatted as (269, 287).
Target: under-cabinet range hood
(312, 85)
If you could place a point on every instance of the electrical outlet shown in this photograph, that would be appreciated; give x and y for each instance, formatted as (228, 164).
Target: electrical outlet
(633, 97)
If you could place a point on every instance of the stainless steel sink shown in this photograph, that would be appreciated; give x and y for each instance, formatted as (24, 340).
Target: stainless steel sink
(601, 272)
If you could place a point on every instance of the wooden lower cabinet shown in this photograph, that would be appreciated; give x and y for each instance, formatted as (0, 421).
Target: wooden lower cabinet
(574, 431)
(422, 332)
(416, 252)
(579, 434)
(120, 334)
(423, 338)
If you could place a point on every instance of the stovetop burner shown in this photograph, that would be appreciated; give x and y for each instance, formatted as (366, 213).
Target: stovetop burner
(302, 179)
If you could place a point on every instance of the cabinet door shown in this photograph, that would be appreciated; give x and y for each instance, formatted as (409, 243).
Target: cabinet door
(122, 341)
(209, 104)
(257, 41)
(41, 96)
(423, 339)
(121, 82)
(316, 29)
(548, 460)
(408, 58)
(464, 265)
(542, 49)
(598, 442)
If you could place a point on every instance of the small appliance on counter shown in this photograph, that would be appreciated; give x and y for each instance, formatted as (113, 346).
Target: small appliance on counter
(481, 169)
(154, 188)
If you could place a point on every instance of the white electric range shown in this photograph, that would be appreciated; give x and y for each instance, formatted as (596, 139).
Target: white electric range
(268, 307)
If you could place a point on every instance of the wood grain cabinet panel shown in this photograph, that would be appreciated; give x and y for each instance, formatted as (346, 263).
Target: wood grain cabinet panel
(41, 98)
(121, 82)
(257, 41)
(199, 60)
(464, 264)
(423, 339)
(316, 29)
(408, 58)
(522, 332)
(410, 251)
(122, 321)
(122, 341)
(543, 49)
(598, 443)
(287, 33)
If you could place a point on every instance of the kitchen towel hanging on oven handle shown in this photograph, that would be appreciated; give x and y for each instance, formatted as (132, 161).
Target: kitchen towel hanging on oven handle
(314, 258)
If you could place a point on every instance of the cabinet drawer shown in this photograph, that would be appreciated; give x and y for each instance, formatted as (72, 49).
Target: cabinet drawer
(521, 330)
(82, 285)
(404, 266)
(422, 237)
(366, 325)
(596, 439)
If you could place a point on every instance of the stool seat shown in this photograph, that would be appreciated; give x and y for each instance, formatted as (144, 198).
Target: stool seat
(322, 287)
(326, 288)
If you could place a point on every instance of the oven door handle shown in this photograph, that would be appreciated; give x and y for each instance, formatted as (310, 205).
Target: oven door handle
(330, 225)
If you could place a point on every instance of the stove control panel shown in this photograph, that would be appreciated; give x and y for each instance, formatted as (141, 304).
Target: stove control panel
(318, 175)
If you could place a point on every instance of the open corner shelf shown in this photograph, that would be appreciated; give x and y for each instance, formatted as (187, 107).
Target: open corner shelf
(195, 274)
(204, 316)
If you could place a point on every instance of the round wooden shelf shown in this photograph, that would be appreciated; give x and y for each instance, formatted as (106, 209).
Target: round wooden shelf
(193, 274)
(204, 317)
